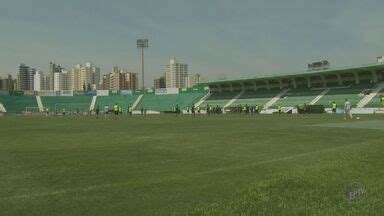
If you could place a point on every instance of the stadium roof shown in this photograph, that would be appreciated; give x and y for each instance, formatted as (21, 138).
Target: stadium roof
(338, 70)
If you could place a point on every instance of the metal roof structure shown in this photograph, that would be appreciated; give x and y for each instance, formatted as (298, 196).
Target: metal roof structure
(337, 70)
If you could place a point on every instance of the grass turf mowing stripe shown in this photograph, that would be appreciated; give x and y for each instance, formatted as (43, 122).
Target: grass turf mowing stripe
(104, 186)
(375, 124)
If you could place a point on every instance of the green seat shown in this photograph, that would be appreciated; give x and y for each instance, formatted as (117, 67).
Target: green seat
(259, 97)
(219, 99)
(375, 102)
(18, 104)
(124, 101)
(168, 101)
(296, 97)
(70, 103)
(338, 95)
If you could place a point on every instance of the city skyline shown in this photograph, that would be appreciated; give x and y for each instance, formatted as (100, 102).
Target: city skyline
(218, 39)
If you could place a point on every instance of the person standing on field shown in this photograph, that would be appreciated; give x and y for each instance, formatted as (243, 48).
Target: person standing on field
(334, 107)
(347, 109)
(193, 110)
(97, 111)
(130, 110)
(116, 110)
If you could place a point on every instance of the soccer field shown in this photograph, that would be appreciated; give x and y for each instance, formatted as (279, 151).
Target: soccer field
(208, 165)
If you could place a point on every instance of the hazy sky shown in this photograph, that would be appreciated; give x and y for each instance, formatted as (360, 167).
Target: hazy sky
(217, 38)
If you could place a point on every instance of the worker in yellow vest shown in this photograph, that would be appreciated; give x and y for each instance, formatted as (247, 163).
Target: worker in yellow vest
(334, 107)
(116, 110)
(130, 110)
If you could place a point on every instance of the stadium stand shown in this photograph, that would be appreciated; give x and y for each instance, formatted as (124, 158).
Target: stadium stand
(259, 97)
(375, 102)
(168, 101)
(338, 83)
(18, 104)
(123, 100)
(70, 103)
(296, 97)
(353, 93)
(219, 99)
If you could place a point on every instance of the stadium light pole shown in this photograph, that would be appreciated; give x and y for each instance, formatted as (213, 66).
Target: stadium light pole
(142, 43)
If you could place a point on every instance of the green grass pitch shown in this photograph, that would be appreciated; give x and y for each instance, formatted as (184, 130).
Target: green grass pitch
(208, 165)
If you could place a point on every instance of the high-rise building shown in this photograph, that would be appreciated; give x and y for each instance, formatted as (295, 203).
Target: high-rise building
(31, 73)
(38, 81)
(53, 68)
(105, 82)
(89, 75)
(60, 80)
(131, 80)
(74, 79)
(25, 77)
(6, 83)
(83, 76)
(119, 79)
(159, 83)
(175, 74)
(193, 80)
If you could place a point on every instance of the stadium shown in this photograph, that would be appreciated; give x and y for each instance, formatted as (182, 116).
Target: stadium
(362, 85)
(60, 158)
(195, 108)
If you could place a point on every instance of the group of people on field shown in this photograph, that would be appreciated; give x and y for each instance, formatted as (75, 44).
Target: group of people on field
(247, 109)
(63, 111)
(209, 109)
(347, 108)
(116, 110)
(192, 109)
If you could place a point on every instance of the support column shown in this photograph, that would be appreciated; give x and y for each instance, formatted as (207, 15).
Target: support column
(242, 86)
(357, 79)
(309, 82)
(219, 87)
(323, 80)
(380, 76)
(294, 83)
(267, 84)
(339, 79)
(254, 86)
(230, 87)
(281, 83)
(374, 76)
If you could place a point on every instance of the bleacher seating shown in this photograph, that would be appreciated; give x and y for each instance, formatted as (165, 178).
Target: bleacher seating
(219, 99)
(167, 102)
(375, 102)
(70, 103)
(259, 97)
(296, 97)
(338, 95)
(18, 104)
(123, 100)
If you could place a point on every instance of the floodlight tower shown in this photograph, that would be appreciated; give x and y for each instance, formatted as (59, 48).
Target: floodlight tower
(142, 43)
